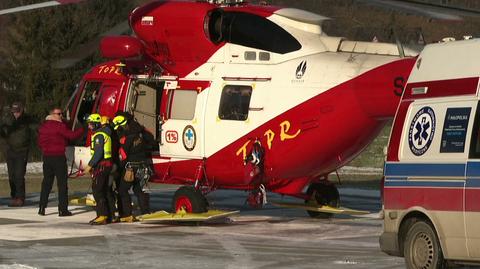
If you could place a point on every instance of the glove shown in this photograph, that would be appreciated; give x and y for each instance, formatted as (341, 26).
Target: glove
(87, 169)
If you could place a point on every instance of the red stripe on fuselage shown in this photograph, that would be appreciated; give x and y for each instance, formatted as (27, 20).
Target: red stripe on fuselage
(442, 88)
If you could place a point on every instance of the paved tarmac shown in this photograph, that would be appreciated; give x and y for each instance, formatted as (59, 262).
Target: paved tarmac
(267, 238)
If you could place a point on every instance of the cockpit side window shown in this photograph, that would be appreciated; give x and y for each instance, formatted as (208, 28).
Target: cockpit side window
(87, 100)
(251, 31)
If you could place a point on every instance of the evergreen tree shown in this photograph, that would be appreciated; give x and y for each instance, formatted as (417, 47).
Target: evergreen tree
(36, 39)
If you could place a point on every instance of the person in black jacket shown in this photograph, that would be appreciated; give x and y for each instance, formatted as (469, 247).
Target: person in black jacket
(17, 129)
(135, 147)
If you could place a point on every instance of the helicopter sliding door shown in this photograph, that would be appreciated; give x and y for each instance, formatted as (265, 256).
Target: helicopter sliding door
(182, 113)
(146, 99)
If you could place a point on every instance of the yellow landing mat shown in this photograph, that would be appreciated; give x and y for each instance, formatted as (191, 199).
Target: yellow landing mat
(323, 209)
(182, 216)
(85, 201)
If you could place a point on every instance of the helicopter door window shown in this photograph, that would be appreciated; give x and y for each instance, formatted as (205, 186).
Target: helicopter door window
(234, 102)
(182, 104)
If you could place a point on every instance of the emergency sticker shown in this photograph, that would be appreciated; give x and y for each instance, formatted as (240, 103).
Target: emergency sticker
(171, 136)
(147, 20)
(422, 131)
(189, 138)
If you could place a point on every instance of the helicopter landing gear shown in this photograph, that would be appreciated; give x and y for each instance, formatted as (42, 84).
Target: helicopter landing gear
(190, 199)
(322, 194)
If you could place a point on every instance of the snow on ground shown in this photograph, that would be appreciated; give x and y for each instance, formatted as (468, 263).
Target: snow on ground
(36, 167)
(32, 168)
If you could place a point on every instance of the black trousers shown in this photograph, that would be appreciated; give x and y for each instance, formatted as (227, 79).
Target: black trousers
(17, 167)
(117, 177)
(126, 201)
(102, 190)
(55, 166)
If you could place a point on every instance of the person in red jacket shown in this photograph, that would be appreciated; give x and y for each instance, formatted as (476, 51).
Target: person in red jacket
(53, 137)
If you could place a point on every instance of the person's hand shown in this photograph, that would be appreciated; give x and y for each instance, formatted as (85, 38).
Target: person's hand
(87, 169)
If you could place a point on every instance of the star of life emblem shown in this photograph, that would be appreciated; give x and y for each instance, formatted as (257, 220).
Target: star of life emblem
(422, 131)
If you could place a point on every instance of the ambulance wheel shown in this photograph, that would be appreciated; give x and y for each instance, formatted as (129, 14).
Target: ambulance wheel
(422, 248)
(190, 199)
(322, 194)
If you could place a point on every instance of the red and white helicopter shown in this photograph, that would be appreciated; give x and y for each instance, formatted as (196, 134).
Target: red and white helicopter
(247, 97)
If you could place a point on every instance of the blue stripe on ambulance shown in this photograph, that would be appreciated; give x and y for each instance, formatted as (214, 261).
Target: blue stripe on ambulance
(396, 175)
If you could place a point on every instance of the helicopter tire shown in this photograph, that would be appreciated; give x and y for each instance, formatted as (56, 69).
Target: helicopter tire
(191, 199)
(322, 194)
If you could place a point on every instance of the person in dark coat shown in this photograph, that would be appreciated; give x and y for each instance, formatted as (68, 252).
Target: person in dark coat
(53, 137)
(17, 129)
(135, 147)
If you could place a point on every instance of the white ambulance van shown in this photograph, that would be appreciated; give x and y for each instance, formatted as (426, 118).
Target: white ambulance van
(432, 173)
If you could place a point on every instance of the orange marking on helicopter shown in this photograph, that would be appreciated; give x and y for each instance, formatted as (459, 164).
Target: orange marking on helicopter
(284, 128)
(105, 69)
(243, 150)
(270, 135)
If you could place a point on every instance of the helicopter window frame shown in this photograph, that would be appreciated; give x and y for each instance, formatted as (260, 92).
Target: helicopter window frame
(249, 30)
(182, 104)
(235, 102)
(91, 89)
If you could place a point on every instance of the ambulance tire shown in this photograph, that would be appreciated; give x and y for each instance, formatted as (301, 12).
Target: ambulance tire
(422, 248)
(191, 199)
(322, 194)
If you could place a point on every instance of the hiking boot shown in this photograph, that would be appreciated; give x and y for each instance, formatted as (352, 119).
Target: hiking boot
(100, 220)
(65, 213)
(128, 219)
(41, 211)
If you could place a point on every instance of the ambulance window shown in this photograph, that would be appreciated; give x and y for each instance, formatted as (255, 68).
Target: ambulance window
(235, 102)
(182, 104)
(87, 101)
(455, 127)
(475, 140)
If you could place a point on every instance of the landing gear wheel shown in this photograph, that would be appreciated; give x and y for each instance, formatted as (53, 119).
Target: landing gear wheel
(190, 199)
(322, 194)
(422, 248)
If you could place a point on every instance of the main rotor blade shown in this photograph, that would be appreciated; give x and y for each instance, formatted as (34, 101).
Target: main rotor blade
(81, 52)
(37, 6)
